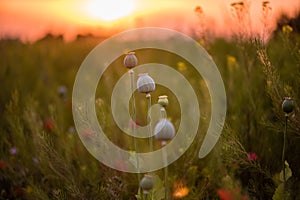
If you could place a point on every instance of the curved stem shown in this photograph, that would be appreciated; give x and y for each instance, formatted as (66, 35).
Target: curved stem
(131, 72)
(283, 150)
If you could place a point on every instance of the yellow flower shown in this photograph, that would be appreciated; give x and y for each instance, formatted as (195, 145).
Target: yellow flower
(181, 66)
(83, 168)
(287, 29)
(231, 62)
(28, 189)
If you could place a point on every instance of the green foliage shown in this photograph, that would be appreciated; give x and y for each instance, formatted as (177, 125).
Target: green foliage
(43, 158)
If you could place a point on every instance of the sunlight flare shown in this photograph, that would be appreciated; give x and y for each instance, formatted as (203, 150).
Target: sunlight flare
(110, 10)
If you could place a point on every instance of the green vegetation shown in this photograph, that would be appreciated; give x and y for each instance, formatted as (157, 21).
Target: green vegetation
(42, 157)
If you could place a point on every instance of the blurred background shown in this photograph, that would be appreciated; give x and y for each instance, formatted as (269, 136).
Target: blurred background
(255, 45)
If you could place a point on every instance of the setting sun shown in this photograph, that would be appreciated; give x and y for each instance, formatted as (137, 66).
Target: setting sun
(110, 10)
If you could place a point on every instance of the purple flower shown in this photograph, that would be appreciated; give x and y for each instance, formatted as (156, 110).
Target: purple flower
(252, 156)
(36, 160)
(13, 151)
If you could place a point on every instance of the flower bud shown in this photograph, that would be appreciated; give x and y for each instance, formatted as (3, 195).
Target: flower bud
(163, 101)
(164, 130)
(145, 84)
(130, 60)
(287, 105)
(147, 183)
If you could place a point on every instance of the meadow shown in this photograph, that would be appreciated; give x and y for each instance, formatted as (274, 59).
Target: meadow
(42, 157)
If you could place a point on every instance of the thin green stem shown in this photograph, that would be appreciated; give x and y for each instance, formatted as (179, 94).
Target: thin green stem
(283, 150)
(148, 96)
(165, 170)
(131, 72)
(163, 113)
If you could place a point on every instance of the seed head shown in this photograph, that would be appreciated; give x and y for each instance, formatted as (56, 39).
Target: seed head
(130, 60)
(287, 105)
(163, 101)
(147, 183)
(145, 84)
(164, 130)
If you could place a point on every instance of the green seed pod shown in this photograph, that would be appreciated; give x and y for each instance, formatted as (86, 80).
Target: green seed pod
(130, 60)
(164, 130)
(147, 183)
(145, 84)
(163, 101)
(287, 105)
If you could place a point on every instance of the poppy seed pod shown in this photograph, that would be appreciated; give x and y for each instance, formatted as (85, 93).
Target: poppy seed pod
(163, 101)
(287, 105)
(145, 84)
(164, 130)
(147, 183)
(130, 60)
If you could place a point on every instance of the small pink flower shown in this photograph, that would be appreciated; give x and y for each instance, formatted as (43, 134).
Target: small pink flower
(13, 151)
(131, 124)
(252, 156)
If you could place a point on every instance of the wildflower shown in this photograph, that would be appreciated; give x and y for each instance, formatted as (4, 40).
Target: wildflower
(2, 165)
(35, 160)
(99, 102)
(287, 29)
(181, 66)
(252, 156)
(180, 191)
(231, 62)
(145, 84)
(88, 134)
(83, 168)
(231, 194)
(49, 124)
(120, 165)
(28, 189)
(225, 194)
(131, 123)
(13, 151)
(62, 90)
(198, 9)
(130, 60)
(71, 129)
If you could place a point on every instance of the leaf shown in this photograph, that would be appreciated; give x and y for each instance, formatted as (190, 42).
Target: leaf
(288, 172)
(279, 193)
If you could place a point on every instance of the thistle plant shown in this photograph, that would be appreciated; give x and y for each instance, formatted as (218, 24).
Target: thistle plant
(287, 107)
(130, 61)
(145, 84)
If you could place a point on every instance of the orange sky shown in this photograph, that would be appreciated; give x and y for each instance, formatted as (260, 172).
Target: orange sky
(31, 19)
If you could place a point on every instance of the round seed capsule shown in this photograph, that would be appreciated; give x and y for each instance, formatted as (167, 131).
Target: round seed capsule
(164, 130)
(145, 84)
(163, 101)
(287, 105)
(130, 60)
(147, 183)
